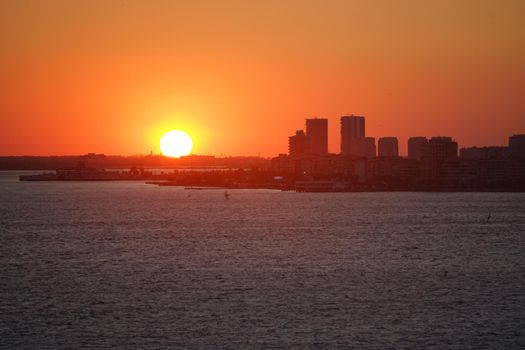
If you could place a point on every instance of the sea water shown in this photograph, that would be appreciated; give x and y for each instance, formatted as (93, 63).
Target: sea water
(130, 265)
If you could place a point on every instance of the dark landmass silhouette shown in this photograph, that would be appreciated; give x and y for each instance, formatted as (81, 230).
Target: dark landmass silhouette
(127, 162)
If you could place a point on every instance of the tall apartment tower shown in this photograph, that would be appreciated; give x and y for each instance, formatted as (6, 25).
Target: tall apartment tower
(317, 133)
(388, 147)
(298, 144)
(370, 147)
(517, 145)
(416, 146)
(353, 135)
(436, 153)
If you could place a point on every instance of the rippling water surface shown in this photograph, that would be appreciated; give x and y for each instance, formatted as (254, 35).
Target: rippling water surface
(130, 265)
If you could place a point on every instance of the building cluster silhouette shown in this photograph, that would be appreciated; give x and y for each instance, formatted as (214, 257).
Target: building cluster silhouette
(432, 163)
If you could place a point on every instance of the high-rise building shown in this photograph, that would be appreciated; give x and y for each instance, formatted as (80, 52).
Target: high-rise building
(370, 147)
(436, 153)
(298, 144)
(353, 135)
(416, 145)
(317, 133)
(388, 147)
(517, 145)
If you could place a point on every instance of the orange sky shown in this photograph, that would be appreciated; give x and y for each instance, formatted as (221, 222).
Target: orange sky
(241, 76)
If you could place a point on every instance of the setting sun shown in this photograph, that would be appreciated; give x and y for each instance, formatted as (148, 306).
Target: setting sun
(176, 143)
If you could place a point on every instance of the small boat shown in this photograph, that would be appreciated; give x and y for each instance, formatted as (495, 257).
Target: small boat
(226, 195)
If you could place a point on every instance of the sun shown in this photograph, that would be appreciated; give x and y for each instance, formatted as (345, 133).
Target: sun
(176, 143)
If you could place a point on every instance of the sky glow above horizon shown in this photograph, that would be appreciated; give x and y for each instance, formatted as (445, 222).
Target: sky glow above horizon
(240, 77)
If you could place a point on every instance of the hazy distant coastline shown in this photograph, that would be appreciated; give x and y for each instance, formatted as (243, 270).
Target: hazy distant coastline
(127, 162)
